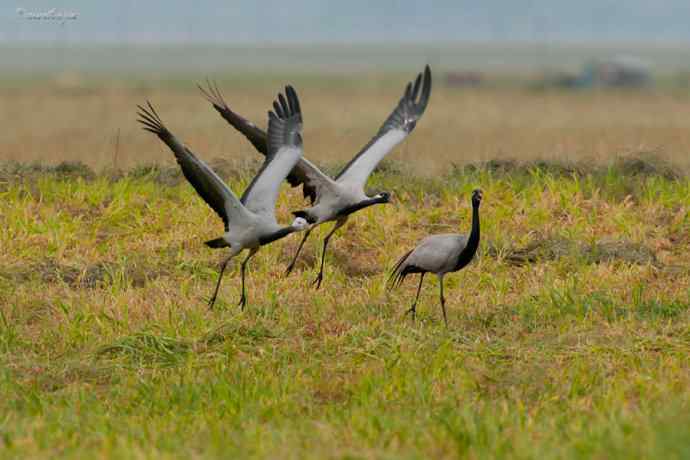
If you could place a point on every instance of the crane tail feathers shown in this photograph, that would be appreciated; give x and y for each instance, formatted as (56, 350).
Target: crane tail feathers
(217, 243)
(398, 274)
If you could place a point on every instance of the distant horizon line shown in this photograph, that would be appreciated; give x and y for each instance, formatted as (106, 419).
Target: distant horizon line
(355, 44)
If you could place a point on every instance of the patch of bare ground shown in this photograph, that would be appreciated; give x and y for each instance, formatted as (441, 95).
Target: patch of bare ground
(551, 247)
(90, 276)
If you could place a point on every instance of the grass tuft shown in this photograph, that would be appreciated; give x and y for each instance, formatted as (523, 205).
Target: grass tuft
(146, 349)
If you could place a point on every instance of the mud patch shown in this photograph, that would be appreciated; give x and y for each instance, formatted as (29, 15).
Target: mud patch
(91, 276)
(603, 251)
(354, 262)
(308, 258)
(611, 250)
(540, 249)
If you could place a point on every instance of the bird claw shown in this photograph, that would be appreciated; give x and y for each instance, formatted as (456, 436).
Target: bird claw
(242, 302)
(288, 270)
(211, 302)
(412, 310)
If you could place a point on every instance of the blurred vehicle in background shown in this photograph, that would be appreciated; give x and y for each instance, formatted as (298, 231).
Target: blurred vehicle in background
(616, 72)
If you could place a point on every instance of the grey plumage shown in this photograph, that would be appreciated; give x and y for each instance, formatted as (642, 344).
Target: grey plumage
(205, 181)
(334, 199)
(439, 254)
(250, 221)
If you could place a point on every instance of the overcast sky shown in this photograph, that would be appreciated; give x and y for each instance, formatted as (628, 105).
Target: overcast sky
(336, 21)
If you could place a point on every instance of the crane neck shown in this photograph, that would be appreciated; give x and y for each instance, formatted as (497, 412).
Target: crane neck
(283, 232)
(473, 240)
(470, 248)
(361, 205)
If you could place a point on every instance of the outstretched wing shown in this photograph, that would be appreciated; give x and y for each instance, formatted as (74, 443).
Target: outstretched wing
(314, 182)
(253, 133)
(397, 126)
(205, 181)
(284, 151)
(304, 173)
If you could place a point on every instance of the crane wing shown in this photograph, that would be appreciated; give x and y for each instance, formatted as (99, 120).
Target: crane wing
(304, 173)
(205, 181)
(397, 127)
(253, 133)
(284, 151)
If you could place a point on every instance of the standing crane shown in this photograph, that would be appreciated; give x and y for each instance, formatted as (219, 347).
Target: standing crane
(439, 254)
(334, 199)
(249, 221)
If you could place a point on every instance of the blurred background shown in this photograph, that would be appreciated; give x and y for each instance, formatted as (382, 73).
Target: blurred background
(575, 81)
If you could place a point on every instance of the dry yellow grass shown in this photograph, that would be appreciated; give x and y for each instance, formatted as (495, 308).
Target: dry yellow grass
(80, 120)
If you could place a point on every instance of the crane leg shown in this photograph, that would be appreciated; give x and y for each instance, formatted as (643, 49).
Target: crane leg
(243, 297)
(224, 264)
(443, 301)
(413, 309)
(299, 249)
(339, 223)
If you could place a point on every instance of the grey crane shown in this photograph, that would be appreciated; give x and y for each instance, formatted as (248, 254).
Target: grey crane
(439, 254)
(249, 221)
(334, 199)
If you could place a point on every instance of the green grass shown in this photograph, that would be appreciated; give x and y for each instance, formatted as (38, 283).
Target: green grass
(107, 348)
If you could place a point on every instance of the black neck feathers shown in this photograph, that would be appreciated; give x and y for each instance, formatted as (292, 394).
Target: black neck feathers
(362, 204)
(470, 249)
(283, 232)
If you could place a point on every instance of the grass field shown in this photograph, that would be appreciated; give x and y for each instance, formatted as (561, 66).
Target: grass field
(569, 336)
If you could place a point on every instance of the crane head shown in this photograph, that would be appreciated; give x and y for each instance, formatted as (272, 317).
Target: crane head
(300, 224)
(305, 216)
(383, 197)
(476, 197)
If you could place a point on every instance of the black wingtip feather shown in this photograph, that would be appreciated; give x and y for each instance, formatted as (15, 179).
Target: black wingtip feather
(213, 95)
(151, 120)
(205, 93)
(284, 126)
(284, 104)
(417, 83)
(255, 135)
(293, 100)
(405, 115)
(287, 105)
(408, 91)
(278, 110)
(426, 88)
